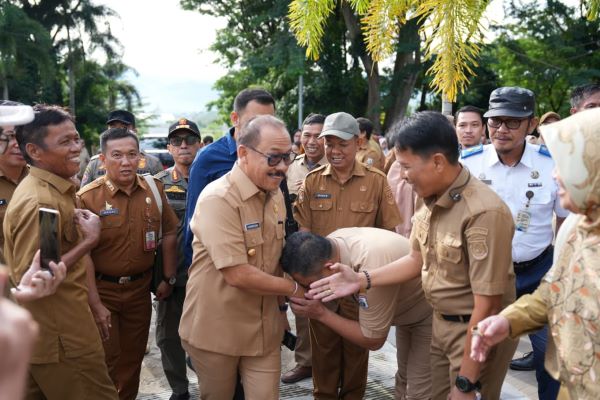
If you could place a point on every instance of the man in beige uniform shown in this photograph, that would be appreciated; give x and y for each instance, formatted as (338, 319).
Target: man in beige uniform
(68, 360)
(313, 157)
(13, 167)
(369, 152)
(306, 257)
(461, 247)
(231, 319)
(345, 193)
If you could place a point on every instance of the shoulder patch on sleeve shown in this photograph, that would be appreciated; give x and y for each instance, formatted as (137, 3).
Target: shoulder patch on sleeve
(92, 185)
(471, 151)
(543, 150)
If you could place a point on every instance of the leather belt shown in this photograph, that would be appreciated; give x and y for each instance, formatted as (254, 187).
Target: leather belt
(526, 264)
(456, 318)
(121, 280)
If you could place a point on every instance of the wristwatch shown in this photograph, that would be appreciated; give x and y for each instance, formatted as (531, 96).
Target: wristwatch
(171, 281)
(283, 307)
(463, 384)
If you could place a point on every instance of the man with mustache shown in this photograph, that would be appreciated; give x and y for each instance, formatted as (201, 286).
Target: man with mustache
(344, 193)
(184, 143)
(121, 263)
(234, 314)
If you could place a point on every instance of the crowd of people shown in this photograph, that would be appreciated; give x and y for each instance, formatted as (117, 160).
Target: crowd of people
(462, 232)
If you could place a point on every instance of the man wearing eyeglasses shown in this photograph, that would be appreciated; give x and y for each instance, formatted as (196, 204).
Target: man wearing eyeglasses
(13, 168)
(345, 193)
(184, 143)
(234, 315)
(521, 174)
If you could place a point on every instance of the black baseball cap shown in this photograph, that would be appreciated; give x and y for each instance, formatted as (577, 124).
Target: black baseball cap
(122, 116)
(184, 124)
(513, 102)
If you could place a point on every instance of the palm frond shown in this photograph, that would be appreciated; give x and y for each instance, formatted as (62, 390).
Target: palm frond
(381, 25)
(593, 7)
(307, 21)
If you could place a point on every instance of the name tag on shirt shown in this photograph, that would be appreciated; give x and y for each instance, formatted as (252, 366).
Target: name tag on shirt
(253, 225)
(534, 184)
(322, 195)
(112, 211)
(487, 181)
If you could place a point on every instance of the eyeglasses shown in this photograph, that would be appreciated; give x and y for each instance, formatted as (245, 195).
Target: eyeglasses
(178, 140)
(273, 160)
(510, 123)
(7, 136)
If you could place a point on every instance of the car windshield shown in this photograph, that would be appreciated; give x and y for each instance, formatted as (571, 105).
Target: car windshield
(159, 143)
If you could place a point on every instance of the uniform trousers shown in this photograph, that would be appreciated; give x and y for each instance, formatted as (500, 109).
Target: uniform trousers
(72, 378)
(447, 347)
(218, 374)
(131, 310)
(168, 315)
(413, 344)
(302, 353)
(528, 279)
(339, 366)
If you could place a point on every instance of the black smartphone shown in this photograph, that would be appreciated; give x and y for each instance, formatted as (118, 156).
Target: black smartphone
(49, 240)
(289, 340)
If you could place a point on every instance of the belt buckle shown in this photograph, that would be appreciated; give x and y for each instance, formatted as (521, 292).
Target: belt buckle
(124, 279)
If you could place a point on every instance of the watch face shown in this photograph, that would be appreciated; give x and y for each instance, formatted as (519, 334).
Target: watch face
(172, 280)
(463, 384)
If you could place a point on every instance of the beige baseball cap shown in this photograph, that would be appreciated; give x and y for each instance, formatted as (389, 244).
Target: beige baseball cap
(340, 124)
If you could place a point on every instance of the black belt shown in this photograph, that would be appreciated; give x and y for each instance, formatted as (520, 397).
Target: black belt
(526, 264)
(456, 318)
(121, 280)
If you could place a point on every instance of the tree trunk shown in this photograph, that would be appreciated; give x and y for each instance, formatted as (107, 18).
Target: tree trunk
(71, 75)
(373, 111)
(406, 69)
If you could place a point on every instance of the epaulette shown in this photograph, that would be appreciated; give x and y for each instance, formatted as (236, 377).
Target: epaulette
(320, 168)
(162, 174)
(92, 185)
(370, 167)
(543, 150)
(471, 151)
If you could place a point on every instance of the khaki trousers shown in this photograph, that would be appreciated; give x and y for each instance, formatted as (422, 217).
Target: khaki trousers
(447, 346)
(78, 378)
(302, 353)
(131, 311)
(339, 366)
(218, 374)
(413, 344)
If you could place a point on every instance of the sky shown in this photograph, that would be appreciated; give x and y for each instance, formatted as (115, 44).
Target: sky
(168, 47)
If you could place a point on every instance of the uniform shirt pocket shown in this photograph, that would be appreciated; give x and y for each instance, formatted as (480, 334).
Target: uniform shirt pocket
(254, 240)
(111, 221)
(362, 206)
(450, 258)
(321, 204)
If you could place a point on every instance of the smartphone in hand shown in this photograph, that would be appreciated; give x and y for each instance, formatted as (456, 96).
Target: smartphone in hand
(49, 240)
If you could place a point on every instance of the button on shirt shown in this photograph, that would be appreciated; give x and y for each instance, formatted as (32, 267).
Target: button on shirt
(125, 220)
(366, 249)
(234, 223)
(465, 246)
(64, 318)
(211, 163)
(532, 173)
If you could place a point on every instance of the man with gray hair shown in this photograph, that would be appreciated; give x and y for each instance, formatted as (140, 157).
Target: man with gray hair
(234, 315)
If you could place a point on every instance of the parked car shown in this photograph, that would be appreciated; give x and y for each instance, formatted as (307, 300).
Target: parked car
(156, 144)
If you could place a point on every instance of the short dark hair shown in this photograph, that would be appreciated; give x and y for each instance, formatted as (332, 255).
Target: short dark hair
(114, 134)
(314, 119)
(426, 133)
(472, 109)
(250, 134)
(207, 139)
(244, 97)
(581, 93)
(365, 125)
(305, 253)
(36, 131)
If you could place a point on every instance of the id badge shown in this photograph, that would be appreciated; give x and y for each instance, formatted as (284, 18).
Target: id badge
(523, 221)
(149, 240)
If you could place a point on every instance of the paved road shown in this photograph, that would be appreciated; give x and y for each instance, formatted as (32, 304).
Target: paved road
(380, 384)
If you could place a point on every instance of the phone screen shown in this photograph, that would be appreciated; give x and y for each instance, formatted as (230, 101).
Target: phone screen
(49, 242)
